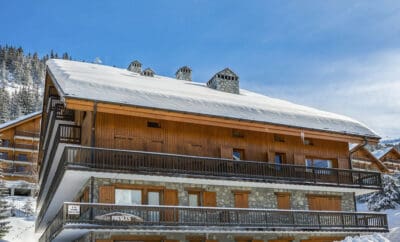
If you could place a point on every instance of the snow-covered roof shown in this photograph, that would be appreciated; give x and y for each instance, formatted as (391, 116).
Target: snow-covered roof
(120, 86)
(20, 119)
(381, 152)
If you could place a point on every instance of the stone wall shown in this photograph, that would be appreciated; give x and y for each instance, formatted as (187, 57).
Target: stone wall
(258, 197)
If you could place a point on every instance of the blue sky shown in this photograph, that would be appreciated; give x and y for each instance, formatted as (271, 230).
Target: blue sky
(339, 56)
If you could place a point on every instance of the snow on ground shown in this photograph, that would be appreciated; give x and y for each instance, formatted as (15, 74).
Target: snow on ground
(22, 226)
(22, 230)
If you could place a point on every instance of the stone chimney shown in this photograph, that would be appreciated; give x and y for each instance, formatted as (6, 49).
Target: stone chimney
(135, 66)
(184, 73)
(148, 72)
(225, 81)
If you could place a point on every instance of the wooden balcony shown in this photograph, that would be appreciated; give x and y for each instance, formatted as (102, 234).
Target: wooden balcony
(214, 168)
(207, 219)
(30, 135)
(17, 146)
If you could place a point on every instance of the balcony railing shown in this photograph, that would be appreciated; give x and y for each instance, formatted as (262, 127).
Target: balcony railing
(19, 146)
(27, 134)
(66, 133)
(211, 219)
(16, 172)
(205, 167)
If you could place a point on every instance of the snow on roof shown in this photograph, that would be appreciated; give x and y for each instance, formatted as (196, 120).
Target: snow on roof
(114, 85)
(17, 120)
(381, 152)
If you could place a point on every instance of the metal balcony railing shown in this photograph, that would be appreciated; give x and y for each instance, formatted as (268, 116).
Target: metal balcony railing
(86, 215)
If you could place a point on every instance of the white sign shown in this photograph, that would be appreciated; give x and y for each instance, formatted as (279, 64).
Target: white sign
(74, 209)
(118, 216)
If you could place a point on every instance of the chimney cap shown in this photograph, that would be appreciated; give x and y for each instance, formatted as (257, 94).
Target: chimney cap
(148, 72)
(135, 66)
(225, 80)
(183, 69)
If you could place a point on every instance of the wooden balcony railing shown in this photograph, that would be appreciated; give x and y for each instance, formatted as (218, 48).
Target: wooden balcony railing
(27, 134)
(205, 167)
(211, 219)
(19, 146)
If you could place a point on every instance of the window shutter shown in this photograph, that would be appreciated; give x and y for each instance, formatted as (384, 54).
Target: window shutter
(257, 240)
(211, 240)
(241, 200)
(283, 200)
(171, 240)
(209, 199)
(106, 194)
(171, 197)
(104, 240)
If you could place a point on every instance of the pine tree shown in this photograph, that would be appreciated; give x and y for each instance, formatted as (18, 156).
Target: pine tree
(4, 210)
(4, 105)
(388, 197)
(28, 208)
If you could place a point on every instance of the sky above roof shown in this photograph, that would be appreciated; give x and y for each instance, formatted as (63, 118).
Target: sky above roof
(338, 56)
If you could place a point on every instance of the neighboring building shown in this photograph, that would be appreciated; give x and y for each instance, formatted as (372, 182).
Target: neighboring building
(19, 141)
(128, 155)
(363, 159)
(390, 157)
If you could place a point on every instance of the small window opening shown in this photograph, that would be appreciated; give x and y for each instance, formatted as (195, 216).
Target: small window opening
(152, 124)
(279, 138)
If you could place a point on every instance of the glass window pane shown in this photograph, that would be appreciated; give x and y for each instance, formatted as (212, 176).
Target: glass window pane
(154, 198)
(237, 155)
(323, 163)
(193, 200)
(309, 162)
(128, 197)
(278, 159)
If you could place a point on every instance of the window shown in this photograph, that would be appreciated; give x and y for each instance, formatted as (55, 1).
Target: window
(22, 157)
(3, 155)
(20, 168)
(128, 197)
(194, 199)
(308, 142)
(238, 154)
(279, 158)
(279, 138)
(152, 124)
(237, 134)
(320, 163)
(5, 142)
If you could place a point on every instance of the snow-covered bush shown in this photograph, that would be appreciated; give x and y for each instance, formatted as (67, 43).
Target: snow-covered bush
(388, 197)
(28, 208)
(367, 238)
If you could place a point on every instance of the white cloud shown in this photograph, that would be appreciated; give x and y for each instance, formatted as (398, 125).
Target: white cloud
(366, 88)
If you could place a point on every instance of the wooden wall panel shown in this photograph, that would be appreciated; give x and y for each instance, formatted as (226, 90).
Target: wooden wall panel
(128, 132)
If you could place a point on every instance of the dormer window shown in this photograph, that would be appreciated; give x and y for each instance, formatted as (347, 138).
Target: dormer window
(148, 72)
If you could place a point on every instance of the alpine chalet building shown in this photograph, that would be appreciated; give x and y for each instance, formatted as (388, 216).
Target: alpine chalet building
(129, 155)
(19, 146)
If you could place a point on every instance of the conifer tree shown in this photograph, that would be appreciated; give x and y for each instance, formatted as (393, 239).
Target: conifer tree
(4, 210)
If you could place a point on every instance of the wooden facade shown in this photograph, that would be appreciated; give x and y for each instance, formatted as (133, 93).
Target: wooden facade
(391, 159)
(136, 133)
(363, 159)
(19, 148)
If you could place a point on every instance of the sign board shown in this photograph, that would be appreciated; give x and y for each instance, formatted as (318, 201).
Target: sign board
(120, 217)
(74, 209)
